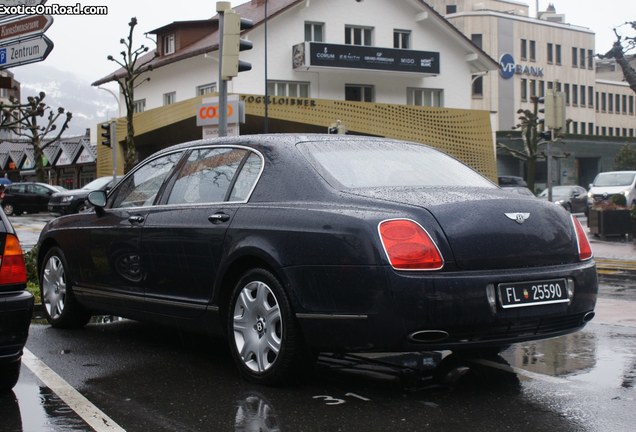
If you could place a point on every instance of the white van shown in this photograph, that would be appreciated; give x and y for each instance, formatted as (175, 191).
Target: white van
(610, 183)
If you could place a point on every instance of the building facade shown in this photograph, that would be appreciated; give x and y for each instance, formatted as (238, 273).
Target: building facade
(395, 68)
(542, 53)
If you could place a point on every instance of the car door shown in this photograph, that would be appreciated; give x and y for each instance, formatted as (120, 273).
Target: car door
(113, 267)
(183, 242)
(41, 195)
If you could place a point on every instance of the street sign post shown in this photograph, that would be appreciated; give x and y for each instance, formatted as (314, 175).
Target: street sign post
(24, 26)
(24, 51)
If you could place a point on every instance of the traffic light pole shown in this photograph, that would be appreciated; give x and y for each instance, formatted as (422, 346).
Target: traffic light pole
(113, 144)
(221, 7)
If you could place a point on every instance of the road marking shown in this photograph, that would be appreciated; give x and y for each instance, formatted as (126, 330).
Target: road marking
(92, 415)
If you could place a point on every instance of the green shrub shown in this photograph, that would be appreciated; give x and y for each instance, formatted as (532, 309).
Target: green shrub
(33, 284)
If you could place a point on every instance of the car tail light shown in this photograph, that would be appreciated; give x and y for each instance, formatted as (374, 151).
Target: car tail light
(12, 267)
(408, 246)
(585, 249)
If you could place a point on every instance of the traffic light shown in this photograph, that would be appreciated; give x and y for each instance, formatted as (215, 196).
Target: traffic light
(554, 109)
(105, 134)
(233, 24)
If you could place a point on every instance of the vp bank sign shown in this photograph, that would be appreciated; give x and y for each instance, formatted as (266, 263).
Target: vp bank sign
(508, 68)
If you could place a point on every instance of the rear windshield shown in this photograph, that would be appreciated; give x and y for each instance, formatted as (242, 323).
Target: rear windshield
(614, 179)
(370, 164)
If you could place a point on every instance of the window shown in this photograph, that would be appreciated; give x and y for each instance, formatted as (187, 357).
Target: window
(314, 32)
(140, 189)
(567, 94)
(451, 9)
(477, 39)
(558, 54)
(533, 50)
(209, 175)
(583, 94)
(139, 105)
(206, 89)
(617, 103)
(603, 103)
(631, 105)
(361, 93)
(402, 39)
(169, 98)
(550, 85)
(524, 89)
(575, 127)
(597, 101)
(478, 86)
(541, 88)
(169, 45)
(590, 59)
(610, 103)
(590, 128)
(291, 88)
(355, 35)
(624, 104)
(524, 49)
(582, 58)
(550, 53)
(575, 57)
(590, 96)
(425, 97)
(575, 94)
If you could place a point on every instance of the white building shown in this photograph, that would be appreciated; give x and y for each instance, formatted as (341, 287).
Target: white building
(396, 56)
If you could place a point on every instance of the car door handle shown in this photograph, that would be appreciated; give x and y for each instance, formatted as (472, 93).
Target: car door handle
(136, 219)
(218, 218)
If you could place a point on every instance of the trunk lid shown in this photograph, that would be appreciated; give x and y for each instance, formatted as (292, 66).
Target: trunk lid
(492, 228)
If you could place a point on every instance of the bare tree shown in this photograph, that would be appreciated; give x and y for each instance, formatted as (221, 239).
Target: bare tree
(135, 64)
(530, 126)
(23, 119)
(622, 46)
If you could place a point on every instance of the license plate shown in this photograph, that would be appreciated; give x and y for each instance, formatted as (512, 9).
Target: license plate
(520, 294)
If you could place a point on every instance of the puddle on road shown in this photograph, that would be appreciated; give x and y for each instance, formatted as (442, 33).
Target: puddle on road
(33, 407)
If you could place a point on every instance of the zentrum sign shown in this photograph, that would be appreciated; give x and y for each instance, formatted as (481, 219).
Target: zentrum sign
(508, 68)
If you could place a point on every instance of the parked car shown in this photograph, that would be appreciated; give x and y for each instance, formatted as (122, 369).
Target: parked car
(610, 183)
(289, 245)
(16, 305)
(572, 198)
(74, 201)
(511, 181)
(30, 197)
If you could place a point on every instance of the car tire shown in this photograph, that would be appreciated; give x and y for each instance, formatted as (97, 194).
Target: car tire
(8, 209)
(61, 308)
(264, 337)
(9, 375)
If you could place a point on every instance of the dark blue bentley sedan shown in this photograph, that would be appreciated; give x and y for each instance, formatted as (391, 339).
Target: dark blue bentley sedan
(291, 245)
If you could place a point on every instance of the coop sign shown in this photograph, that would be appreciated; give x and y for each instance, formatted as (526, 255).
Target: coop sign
(509, 68)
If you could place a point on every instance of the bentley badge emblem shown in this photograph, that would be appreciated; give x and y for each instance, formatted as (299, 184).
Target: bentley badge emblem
(518, 217)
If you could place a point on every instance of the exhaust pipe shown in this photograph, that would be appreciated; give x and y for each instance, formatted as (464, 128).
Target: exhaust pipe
(428, 336)
(588, 317)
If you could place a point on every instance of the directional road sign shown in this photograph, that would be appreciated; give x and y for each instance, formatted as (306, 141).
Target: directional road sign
(23, 26)
(25, 51)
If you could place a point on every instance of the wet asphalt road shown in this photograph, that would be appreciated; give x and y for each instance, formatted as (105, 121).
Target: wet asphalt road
(145, 378)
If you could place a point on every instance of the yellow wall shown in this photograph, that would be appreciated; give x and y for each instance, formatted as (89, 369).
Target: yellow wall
(464, 134)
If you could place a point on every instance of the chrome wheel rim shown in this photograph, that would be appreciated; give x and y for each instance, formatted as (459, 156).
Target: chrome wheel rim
(8, 209)
(258, 326)
(54, 287)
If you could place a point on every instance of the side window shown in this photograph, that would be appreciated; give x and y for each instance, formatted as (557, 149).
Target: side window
(247, 178)
(206, 176)
(141, 188)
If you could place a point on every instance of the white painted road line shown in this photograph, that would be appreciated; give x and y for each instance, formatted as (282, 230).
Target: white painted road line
(92, 415)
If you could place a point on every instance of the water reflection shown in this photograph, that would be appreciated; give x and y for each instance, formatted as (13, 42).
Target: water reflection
(255, 414)
(10, 419)
(557, 357)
